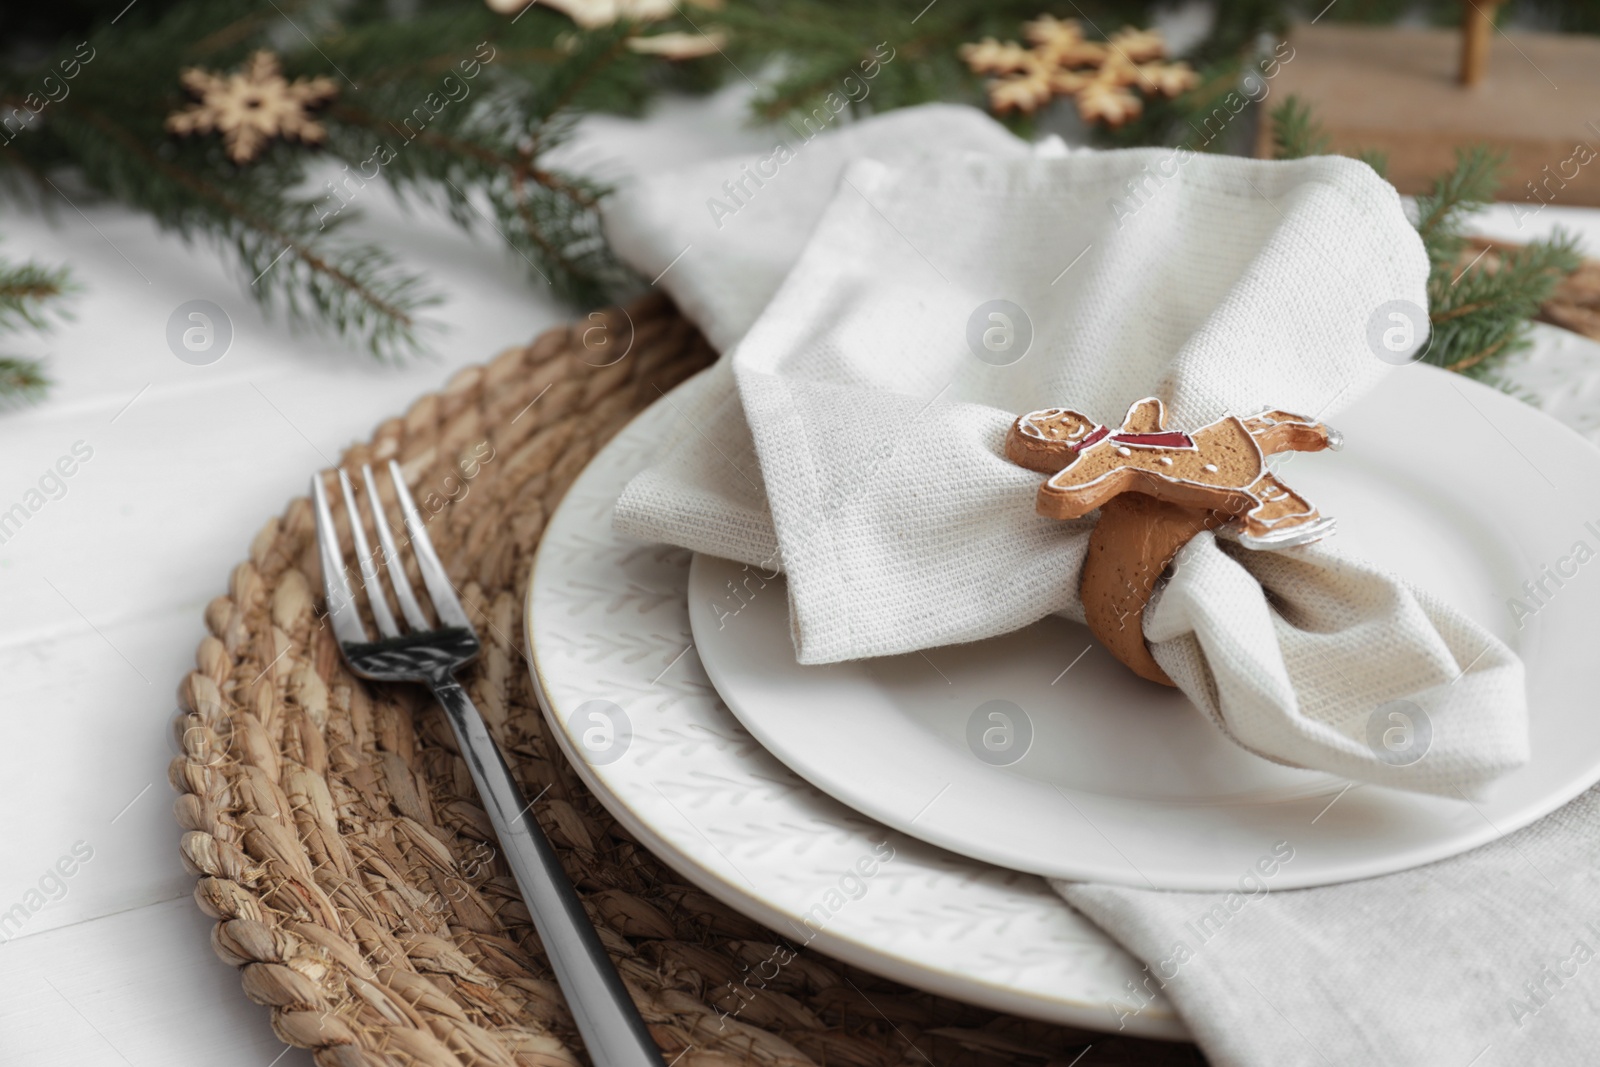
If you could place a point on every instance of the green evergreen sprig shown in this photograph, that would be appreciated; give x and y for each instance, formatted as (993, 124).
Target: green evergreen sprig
(1295, 132)
(1480, 312)
(411, 121)
(31, 296)
(409, 118)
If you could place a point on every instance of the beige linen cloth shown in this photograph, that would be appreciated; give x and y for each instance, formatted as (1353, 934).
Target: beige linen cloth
(851, 435)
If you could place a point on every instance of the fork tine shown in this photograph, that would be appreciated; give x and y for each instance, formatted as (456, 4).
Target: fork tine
(391, 558)
(434, 575)
(369, 567)
(341, 599)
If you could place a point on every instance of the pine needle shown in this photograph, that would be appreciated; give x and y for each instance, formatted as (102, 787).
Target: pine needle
(1295, 133)
(21, 381)
(1462, 191)
(30, 296)
(461, 108)
(1480, 316)
(457, 106)
(1480, 310)
(27, 293)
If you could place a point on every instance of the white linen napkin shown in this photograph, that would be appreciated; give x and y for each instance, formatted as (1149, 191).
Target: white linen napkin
(853, 436)
(1486, 959)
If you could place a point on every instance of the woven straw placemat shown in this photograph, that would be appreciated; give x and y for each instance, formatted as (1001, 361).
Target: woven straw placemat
(340, 845)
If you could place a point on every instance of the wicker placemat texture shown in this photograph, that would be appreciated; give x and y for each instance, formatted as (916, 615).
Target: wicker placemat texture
(340, 846)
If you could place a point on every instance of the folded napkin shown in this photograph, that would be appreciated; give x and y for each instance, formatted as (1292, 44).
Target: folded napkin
(1483, 960)
(852, 435)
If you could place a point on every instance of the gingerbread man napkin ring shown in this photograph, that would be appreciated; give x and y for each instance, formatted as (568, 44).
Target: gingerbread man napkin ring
(1156, 488)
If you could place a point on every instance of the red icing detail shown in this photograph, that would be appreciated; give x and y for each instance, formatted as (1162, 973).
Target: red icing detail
(1164, 439)
(1098, 434)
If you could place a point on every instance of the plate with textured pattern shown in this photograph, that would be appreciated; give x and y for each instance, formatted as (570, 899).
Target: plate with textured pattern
(610, 646)
(1037, 751)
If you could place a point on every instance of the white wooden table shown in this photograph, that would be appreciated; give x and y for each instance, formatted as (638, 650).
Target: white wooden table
(104, 588)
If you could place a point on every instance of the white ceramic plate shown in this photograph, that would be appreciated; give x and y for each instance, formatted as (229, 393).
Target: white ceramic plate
(997, 751)
(608, 636)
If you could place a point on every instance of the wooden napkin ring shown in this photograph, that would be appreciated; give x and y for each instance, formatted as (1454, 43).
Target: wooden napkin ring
(1156, 488)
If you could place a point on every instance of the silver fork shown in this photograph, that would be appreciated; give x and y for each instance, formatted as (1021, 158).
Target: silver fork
(607, 1019)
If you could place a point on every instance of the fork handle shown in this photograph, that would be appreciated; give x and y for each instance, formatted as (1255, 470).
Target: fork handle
(612, 1029)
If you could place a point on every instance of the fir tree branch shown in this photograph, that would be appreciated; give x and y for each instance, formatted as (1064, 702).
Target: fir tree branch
(518, 167)
(507, 107)
(21, 381)
(1466, 188)
(481, 158)
(29, 296)
(1481, 315)
(568, 83)
(1475, 360)
(1296, 134)
(27, 292)
(230, 36)
(375, 309)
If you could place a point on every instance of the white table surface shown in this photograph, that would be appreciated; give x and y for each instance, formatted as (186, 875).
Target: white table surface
(104, 588)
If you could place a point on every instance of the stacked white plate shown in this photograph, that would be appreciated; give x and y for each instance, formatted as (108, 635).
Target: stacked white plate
(903, 814)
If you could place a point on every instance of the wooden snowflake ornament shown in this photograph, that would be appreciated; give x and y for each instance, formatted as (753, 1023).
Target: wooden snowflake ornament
(252, 107)
(1100, 76)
